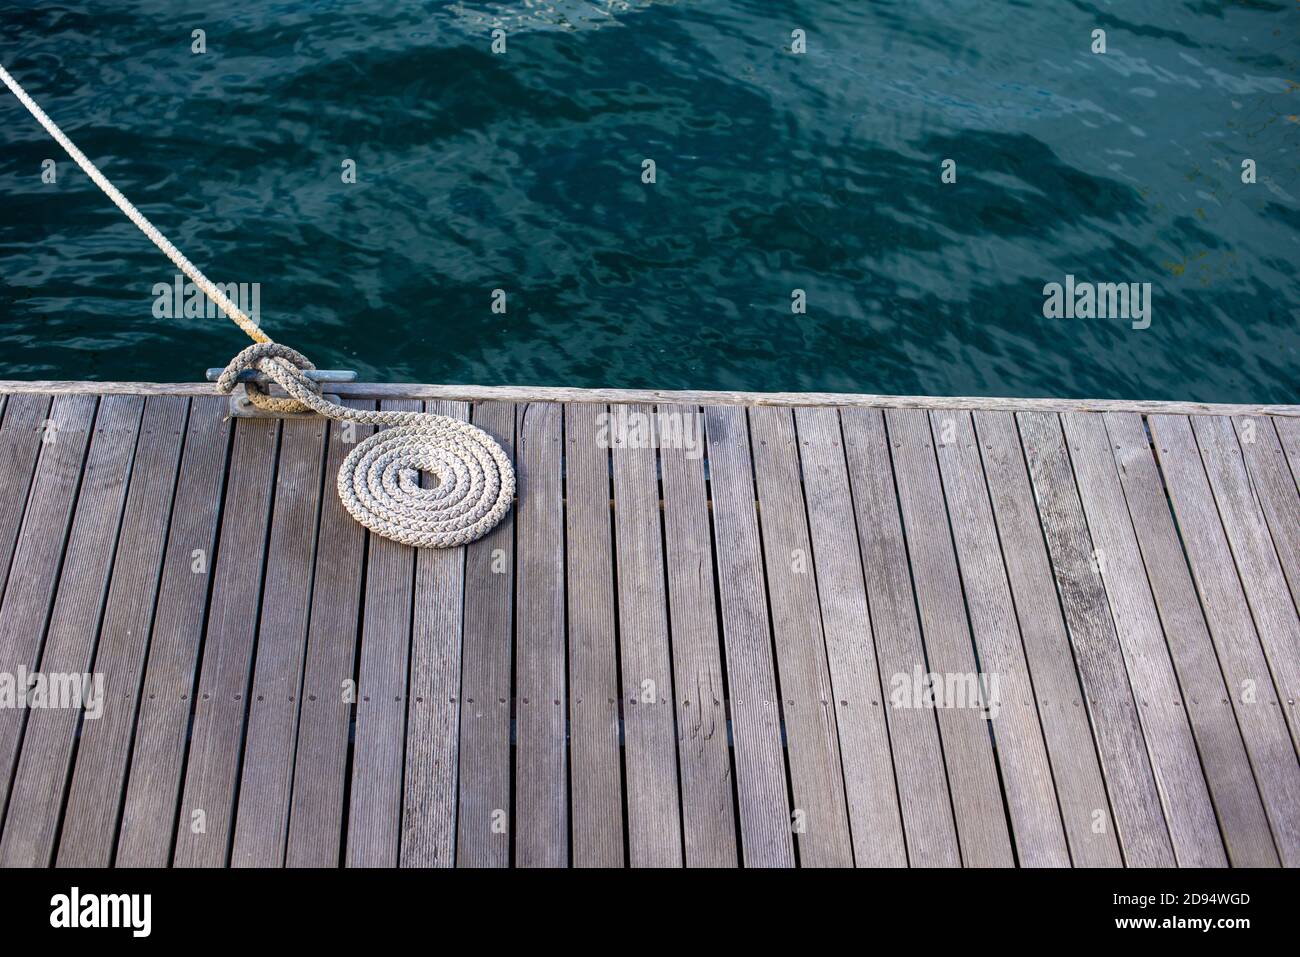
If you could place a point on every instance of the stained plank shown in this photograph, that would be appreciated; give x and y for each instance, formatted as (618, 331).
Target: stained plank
(262, 819)
(157, 757)
(972, 770)
(207, 806)
(595, 760)
(654, 830)
(483, 818)
(49, 737)
(821, 822)
(923, 793)
(1174, 757)
(1135, 806)
(328, 699)
(1226, 765)
(870, 788)
(761, 792)
(38, 557)
(90, 818)
(1011, 710)
(433, 710)
(704, 757)
(1076, 772)
(375, 799)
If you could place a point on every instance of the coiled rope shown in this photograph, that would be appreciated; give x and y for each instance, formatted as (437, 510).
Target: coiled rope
(379, 481)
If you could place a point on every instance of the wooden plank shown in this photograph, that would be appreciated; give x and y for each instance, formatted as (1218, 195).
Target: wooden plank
(821, 823)
(157, 758)
(972, 770)
(595, 762)
(38, 556)
(1170, 744)
(90, 818)
(870, 788)
(1227, 767)
(1012, 714)
(20, 445)
(433, 712)
(703, 754)
(1269, 598)
(320, 762)
(506, 394)
(1076, 773)
(483, 819)
(1241, 656)
(378, 753)
(262, 820)
(220, 707)
(761, 795)
(923, 792)
(541, 819)
(1275, 488)
(654, 827)
(1288, 433)
(1134, 800)
(36, 798)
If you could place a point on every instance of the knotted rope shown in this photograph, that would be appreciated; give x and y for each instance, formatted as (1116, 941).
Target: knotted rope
(379, 481)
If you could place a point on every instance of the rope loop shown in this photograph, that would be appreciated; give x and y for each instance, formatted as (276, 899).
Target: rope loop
(379, 483)
(280, 363)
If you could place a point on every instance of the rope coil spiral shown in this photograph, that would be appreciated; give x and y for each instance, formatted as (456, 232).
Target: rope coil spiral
(379, 481)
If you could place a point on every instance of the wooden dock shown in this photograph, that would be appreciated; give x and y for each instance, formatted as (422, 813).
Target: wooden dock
(700, 654)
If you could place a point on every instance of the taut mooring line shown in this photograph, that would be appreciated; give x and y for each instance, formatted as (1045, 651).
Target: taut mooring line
(379, 481)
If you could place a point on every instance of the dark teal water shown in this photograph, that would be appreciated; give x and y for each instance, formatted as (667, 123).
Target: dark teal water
(775, 171)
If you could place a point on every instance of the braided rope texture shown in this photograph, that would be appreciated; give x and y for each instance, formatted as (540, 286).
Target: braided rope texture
(379, 481)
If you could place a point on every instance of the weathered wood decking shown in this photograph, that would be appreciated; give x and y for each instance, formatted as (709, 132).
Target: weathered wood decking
(660, 657)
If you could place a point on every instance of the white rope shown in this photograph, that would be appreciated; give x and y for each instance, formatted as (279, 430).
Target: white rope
(379, 481)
